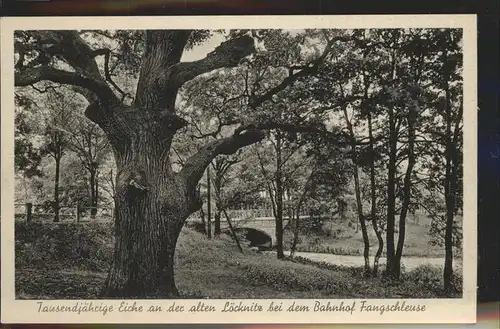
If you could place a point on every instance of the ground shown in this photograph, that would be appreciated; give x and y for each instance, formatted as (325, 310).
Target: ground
(70, 262)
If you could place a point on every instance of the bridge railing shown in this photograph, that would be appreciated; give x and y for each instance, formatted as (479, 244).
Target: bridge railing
(245, 214)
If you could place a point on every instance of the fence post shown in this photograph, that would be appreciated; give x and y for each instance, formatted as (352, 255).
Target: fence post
(29, 208)
(78, 212)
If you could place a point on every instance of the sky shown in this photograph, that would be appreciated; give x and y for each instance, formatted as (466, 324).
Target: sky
(202, 50)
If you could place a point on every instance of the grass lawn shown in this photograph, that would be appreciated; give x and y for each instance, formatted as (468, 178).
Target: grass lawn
(344, 240)
(204, 269)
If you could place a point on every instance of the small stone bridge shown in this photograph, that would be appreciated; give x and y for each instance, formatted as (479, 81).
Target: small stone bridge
(259, 230)
(256, 226)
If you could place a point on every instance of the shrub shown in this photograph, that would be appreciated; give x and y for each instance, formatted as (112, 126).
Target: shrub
(425, 275)
(457, 284)
(427, 278)
(86, 246)
(327, 249)
(286, 278)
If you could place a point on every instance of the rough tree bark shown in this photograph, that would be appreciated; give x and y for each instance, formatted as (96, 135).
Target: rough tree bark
(152, 201)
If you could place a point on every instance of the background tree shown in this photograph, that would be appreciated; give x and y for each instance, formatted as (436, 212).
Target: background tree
(443, 143)
(411, 93)
(301, 188)
(210, 107)
(382, 87)
(58, 114)
(221, 166)
(319, 177)
(339, 90)
(91, 146)
(273, 161)
(27, 155)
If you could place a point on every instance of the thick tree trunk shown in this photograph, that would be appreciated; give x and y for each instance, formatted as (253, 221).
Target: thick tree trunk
(151, 206)
(56, 188)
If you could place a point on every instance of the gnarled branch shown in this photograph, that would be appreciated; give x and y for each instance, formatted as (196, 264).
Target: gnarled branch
(72, 49)
(194, 167)
(227, 54)
(29, 76)
(107, 74)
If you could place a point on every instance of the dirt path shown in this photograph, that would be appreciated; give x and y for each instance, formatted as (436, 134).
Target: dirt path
(355, 261)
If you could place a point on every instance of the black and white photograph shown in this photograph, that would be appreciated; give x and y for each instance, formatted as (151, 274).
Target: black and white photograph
(283, 163)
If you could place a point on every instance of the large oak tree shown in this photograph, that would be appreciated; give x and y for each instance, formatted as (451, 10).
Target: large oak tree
(152, 200)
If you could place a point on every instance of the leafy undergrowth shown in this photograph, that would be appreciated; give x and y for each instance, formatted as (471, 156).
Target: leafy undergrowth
(204, 269)
(424, 281)
(58, 284)
(48, 246)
